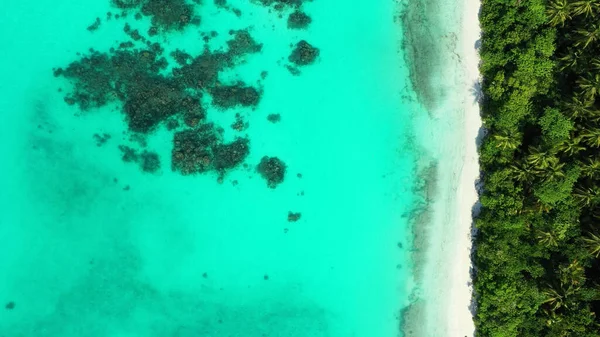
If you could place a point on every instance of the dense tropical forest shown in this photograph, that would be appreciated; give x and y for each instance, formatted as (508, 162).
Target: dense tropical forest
(538, 243)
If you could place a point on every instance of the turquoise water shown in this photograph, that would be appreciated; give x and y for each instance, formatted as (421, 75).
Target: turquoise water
(94, 246)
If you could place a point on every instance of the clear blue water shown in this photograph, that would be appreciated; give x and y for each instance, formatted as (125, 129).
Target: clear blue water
(93, 246)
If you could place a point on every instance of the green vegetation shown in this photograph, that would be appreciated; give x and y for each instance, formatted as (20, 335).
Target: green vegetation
(538, 246)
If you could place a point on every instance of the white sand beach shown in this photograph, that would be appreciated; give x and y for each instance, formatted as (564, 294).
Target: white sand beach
(459, 315)
(445, 290)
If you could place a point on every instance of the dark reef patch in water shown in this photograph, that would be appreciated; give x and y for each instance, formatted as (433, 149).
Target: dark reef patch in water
(283, 4)
(164, 14)
(242, 43)
(298, 20)
(202, 150)
(272, 169)
(230, 96)
(94, 26)
(192, 150)
(148, 161)
(304, 54)
(152, 100)
(274, 118)
(230, 155)
(170, 14)
(101, 139)
(239, 124)
(128, 154)
(293, 217)
(424, 47)
(151, 92)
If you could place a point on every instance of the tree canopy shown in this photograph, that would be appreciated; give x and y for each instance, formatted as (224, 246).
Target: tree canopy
(537, 251)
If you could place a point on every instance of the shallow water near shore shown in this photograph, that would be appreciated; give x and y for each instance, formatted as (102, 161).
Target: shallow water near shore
(97, 247)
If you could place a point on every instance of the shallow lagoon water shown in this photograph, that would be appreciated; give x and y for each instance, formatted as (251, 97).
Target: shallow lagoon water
(96, 247)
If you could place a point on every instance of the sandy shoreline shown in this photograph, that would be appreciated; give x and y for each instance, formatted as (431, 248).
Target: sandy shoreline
(443, 241)
(458, 311)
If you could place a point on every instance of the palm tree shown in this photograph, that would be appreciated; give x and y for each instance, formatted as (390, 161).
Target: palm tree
(571, 146)
(559, 296)
(562, 293)
(587, 36)
(558, 12)
(595, 62)
(590, 86)
(506, 141)
(592, 243)
(590, 168)
(570, 60)
(587, 7)
(591, 136)
(573, 273)
(586, 196)
(548, 239)
(579, 107)
(538, 157)
(551, 317)
(524, 172)
(554, 170)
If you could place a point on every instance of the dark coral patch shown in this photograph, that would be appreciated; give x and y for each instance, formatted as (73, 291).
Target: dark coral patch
(181, 57)
(149, 162)
(152, 100)
(274, 118)
(230, 155)
(272, 169)
(239, 124)
(128, 154)
(203, 70)
(298, 20)
(304, 54)
(229, 96)
(293, 217)
(165, 14)
(243, 43)
(94, 26)
(192, 150)
(102, 78)
(282, 4)
(101, 139)
(126, 4)
(169, 14)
